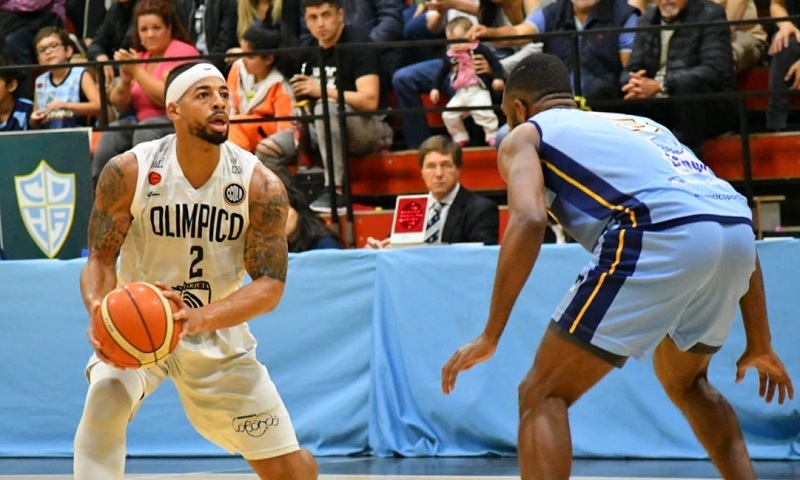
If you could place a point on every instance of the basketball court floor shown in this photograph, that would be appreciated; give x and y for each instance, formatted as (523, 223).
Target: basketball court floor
(371, 468)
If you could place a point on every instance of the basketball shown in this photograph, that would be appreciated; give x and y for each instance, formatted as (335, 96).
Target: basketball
(135, 327)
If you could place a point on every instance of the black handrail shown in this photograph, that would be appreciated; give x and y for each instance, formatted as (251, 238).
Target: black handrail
(739, 96)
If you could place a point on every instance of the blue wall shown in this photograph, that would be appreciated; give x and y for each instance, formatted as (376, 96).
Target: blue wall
(356, 348)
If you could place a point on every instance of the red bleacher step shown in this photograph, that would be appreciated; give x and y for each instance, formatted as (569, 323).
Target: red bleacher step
(773, 156)
(398, 173)
(754, 80)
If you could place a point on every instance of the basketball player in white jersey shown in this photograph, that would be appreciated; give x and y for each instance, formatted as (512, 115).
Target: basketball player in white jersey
(673, 257)
(193, 213)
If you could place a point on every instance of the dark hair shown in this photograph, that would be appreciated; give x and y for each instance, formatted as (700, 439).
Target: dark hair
(177, 71)
(540, 75)
(463, 22)
(310, 226)
(318, 3)
(487, 12)
(261, 38)
(12, 75)
(63, 36)
(440, 144)
(165, 10)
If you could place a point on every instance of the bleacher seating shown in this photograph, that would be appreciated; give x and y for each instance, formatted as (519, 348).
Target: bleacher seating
(774, 156)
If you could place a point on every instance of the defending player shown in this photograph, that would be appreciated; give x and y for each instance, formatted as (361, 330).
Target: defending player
(192, 212)
(673, 255)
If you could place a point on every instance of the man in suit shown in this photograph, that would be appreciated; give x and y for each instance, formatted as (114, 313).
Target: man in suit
(465, 216)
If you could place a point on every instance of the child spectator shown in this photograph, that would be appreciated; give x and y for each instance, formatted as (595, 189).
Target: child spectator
(471, 89)
(259, 88)
(64, 97)
(14, 112)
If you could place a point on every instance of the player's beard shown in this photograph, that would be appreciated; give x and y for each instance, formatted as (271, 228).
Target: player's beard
(215, 138)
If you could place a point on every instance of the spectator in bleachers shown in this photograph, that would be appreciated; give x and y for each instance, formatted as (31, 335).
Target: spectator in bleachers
(283, 16)
(784, 69)
(683, 61)
(259, 87)
(305, 229)
(357, 78)
(65, 97)
(749, 42)
(415, 28)
(19, 22)
(602, 57)
(382, 21)
(506, 13)
(471, 89)
(413, 80)
(211, 26)
(86, 16)
(423, 23)
(140, 90)
(15, 112)
(464, 216)
(115, 33)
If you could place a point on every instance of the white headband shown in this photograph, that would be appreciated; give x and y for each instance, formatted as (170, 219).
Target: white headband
(183, 81)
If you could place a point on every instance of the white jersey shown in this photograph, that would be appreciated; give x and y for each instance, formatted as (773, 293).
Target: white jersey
(191, 239)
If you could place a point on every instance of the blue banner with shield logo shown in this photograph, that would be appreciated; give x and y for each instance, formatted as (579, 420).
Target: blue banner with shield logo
(45, 193)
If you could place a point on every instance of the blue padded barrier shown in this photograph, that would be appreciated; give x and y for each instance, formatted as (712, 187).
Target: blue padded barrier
(356, 348)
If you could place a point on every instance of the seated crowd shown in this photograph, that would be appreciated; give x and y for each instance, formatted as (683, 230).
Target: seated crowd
(274, 94)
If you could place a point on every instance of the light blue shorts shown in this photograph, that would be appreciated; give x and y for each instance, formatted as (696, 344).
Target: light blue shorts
(685, 282)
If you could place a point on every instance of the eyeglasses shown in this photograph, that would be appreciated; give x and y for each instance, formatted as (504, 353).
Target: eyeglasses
(49, 48)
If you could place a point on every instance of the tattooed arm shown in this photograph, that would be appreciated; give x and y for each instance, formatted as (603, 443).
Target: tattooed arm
(265, 256)
(108, 225)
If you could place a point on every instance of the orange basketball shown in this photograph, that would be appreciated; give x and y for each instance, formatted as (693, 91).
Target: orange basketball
(134, 325)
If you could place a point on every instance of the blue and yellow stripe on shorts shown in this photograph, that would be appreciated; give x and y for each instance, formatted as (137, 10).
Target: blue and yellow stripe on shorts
(583, 189)
(595, 294)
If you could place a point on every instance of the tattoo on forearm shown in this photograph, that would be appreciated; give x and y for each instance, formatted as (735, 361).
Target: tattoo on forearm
(266, 250)
(106, 233)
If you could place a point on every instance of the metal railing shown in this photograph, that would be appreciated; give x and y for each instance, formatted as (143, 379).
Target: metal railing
(349, 220)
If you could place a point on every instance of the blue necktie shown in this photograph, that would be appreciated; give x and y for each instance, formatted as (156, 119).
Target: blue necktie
(434, 228)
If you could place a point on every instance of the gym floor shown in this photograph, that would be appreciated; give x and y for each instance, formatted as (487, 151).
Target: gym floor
(372, 468)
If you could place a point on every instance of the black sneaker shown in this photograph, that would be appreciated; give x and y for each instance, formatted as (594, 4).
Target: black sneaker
(323, 204)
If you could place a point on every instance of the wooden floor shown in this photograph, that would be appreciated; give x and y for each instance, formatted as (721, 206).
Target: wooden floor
(371, 468)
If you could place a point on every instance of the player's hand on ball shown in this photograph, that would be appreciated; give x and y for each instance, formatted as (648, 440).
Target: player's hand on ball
(189, 318)
(476, 351)
(94, 342)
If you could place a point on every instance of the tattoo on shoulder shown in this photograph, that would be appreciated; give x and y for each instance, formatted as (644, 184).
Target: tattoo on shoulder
(111, 183)
(266, 249)
(110, 217)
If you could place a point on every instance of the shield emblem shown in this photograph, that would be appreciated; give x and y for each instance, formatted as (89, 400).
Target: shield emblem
(46, 200)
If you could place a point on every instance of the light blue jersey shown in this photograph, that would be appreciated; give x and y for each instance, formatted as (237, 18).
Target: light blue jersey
(68, 91)
(604, 170)
(672, 245)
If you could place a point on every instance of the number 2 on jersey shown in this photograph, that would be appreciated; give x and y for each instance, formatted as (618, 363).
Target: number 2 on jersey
(197, 256)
